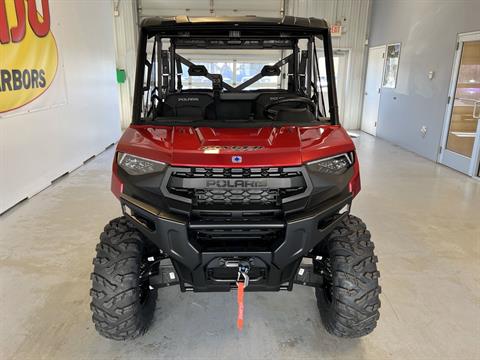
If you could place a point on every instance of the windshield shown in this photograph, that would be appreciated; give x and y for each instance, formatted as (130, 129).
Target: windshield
(210, 82)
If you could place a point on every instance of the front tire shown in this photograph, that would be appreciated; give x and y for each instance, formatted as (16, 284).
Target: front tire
(349, 301)
(122, 303)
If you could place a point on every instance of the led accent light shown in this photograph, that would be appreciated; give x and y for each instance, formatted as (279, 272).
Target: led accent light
(136, 165)
(335, 165)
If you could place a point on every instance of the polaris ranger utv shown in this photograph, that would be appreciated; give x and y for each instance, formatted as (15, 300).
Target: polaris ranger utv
(229, 179)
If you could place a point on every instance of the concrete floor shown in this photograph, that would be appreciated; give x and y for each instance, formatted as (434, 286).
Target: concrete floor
(425, 223)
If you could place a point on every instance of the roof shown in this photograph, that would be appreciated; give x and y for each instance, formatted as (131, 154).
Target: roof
(254, 23)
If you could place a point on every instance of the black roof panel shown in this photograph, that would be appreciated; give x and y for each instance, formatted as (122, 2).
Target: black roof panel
(187, 23)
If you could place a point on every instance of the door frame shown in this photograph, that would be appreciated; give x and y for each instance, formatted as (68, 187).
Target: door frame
(344, 78)
(443, 155)
(384, 47)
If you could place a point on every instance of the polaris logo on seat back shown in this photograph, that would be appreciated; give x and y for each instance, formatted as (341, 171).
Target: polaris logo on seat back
(236, 183)
(188, 99)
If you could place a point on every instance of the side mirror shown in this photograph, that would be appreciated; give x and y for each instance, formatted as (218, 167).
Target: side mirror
(270, 70)
(197, 70)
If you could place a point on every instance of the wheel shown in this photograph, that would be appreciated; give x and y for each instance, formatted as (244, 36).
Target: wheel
(122, 303)
(349, 300)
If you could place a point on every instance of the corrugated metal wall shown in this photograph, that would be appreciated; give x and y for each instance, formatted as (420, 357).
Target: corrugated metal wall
(126, 34)
(205, 8)
(353, 15)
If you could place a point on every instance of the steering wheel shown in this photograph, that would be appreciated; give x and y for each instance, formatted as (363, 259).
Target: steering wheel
(307, 104)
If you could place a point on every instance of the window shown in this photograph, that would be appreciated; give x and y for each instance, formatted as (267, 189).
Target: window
(245, 70)
(235, 68)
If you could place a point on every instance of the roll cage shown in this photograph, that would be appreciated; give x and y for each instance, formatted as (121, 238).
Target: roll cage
(159, 73)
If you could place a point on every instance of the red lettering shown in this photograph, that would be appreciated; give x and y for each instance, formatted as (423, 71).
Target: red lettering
(4, 35)
(18, 32)
(41, 29)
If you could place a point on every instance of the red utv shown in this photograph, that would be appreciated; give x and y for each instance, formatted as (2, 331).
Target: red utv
(230, 179)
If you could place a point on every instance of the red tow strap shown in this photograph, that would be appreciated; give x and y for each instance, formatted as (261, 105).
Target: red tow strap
(241, 288)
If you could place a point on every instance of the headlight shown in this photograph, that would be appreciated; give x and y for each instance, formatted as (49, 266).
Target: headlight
(334, 165)
(135, 165)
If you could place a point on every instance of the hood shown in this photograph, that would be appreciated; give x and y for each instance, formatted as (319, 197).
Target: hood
(235, 147)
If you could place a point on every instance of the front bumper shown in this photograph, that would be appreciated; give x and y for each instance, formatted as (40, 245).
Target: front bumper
(271, 270)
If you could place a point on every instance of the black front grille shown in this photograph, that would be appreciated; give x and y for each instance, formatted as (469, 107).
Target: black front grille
(236, 196)
(235, 172)
(228, 187)
(237, 239)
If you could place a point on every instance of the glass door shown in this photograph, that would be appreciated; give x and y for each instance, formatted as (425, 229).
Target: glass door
(461, 142)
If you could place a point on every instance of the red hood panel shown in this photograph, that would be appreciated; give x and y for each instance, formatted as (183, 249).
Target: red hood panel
(268, 147)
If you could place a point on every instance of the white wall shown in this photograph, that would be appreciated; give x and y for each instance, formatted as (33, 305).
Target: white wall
(37, 147)
(428, 33)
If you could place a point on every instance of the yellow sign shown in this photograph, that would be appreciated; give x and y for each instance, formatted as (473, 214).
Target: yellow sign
(28, 53)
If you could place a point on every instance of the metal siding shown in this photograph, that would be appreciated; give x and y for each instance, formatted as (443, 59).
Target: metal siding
(126, 35)
(353, 16)
(202, 8)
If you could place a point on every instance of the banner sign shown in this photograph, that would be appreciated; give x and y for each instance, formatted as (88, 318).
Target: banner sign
(29, 58)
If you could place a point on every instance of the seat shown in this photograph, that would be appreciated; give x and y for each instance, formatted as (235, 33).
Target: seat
(294, 115)
(267, 98)
(230, 110)
(187, 104)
